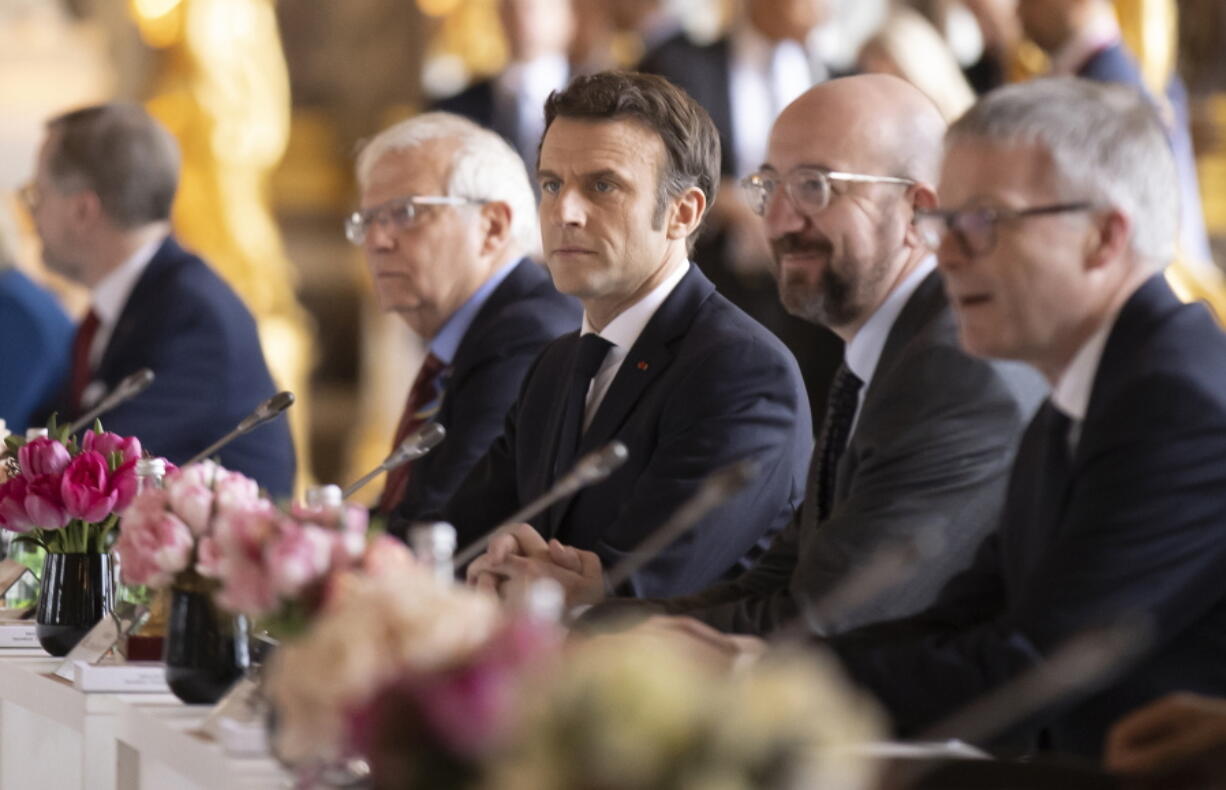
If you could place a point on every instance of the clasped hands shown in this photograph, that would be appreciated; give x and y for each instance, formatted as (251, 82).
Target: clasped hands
(520, 555)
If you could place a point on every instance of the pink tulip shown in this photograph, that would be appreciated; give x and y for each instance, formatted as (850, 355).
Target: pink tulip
(44, 504)
(107, 443)
(86, 487)
(13, 515)
(43, 456)
(124, 481)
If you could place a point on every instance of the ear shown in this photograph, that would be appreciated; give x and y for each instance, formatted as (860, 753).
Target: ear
(686, 213)
(918, 196)
(495, 227)
(1108, 239)
(85, 208)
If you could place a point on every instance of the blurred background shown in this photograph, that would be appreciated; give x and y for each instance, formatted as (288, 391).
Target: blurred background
(269, 99)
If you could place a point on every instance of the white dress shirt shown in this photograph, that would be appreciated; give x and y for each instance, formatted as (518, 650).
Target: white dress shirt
(622, 332)
(864, 351)
(1071, 394)
(110, 295)
(766, 76)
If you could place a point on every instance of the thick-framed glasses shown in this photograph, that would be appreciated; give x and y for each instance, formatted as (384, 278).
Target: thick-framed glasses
(808, 187)
(975, 229)
(396, 214)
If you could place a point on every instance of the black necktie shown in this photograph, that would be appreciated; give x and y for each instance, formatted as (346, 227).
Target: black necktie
(591, 353)
(836, 429)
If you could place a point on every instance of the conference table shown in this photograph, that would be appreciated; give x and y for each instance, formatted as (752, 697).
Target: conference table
(54, 737)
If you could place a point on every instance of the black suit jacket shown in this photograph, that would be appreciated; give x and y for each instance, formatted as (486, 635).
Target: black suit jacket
(1137, 524)
(702, 387)
(518, 319)
(933, 444)
(185, 324)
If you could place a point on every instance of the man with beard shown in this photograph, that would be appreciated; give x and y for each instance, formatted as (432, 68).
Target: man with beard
(918, 436)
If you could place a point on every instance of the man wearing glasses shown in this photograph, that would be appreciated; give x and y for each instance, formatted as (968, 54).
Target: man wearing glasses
(447, 219)
(918, 436)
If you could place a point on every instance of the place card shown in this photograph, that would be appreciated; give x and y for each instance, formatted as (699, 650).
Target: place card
(137, 676)
(10, 572)
(18, 635)
(104, 636)
(242, 704)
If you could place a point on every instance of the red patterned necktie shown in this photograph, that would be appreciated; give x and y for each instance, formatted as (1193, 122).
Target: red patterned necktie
(425, 397)
(80, 359)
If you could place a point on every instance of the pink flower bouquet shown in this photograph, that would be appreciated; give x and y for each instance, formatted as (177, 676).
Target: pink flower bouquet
(66, 495)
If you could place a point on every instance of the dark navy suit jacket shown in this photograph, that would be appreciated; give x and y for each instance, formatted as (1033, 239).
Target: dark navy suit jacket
(520, 317)
(186, 325)
(1137, 524)
(702, 387)
(35, 340)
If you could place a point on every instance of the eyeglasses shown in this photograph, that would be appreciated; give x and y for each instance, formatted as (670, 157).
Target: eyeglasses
(808, 187)
(29, 196)
(397, 214)
(975, 229)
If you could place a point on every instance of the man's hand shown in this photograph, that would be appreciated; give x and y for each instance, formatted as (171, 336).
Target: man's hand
(521, 540)
(1177, 733)
(578, 572)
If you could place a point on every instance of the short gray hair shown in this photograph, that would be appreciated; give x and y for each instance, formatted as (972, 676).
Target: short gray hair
(484, 166)
(120, 153)
(1107, 143)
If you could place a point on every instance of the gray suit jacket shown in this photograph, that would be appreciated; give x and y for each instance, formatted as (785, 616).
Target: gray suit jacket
(932, 448)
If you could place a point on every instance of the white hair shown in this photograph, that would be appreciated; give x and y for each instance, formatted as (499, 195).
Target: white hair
(1107, 143)
(484, 167)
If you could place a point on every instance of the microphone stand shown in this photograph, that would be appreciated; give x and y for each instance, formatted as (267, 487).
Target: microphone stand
(125, 390)
(263, 413)
(591, 468)
(414, 446)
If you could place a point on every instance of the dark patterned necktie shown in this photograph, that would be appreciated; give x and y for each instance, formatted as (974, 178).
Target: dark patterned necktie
(591, 353)
(425, 398)
(836, 430)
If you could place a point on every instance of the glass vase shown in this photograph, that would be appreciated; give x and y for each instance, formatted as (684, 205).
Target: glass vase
(206, 648)
(76, 591)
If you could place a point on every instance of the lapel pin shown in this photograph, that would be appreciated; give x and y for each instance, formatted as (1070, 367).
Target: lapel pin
(642, 365)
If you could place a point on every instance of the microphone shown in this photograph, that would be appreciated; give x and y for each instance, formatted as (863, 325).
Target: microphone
(591, 468)
(887, 566)
(129, 387)
(263, 413)
(712, 492)
(414, 446)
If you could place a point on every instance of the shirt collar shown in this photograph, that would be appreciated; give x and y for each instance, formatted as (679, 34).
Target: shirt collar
(625, 329)
(111, 293)
(1103, 31)
(447, 341)
(1071, 394)
(864, 351)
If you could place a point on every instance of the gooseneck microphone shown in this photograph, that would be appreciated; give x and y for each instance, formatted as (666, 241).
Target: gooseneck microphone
(714, 490)
(263, 413)
(591, 468)
(414, 446)
(127, 389)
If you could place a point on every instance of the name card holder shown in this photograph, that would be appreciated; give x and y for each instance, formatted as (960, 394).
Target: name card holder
(125, 618)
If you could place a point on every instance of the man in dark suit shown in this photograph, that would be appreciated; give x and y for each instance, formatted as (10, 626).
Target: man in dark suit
(1053, 255)
(934, 429)
(744, 80)
(538, 32)
(101, 200)
(447, 217)
(628, 167)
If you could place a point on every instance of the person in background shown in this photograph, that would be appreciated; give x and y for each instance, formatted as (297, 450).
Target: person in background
(35, 336)
(100, 199)
(447, 219)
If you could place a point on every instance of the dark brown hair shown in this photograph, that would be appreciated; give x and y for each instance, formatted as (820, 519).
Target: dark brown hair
(690, 139)
(121, 154)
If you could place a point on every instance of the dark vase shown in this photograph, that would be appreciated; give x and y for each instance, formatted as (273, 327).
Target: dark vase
(206, 648)
(77, 590)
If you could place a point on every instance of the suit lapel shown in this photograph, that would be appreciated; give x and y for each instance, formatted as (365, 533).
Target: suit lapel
(648, 358)
(111, 367)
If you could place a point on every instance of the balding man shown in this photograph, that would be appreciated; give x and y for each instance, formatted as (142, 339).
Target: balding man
(932, 430)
